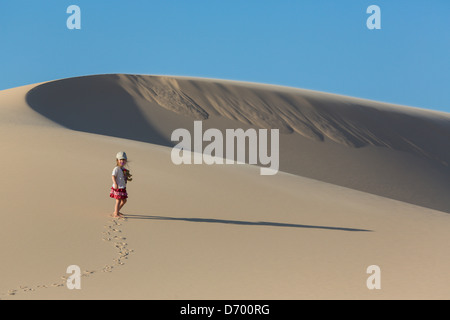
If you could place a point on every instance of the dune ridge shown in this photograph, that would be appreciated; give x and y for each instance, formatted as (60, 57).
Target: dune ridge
(360, 144)
(345, 120)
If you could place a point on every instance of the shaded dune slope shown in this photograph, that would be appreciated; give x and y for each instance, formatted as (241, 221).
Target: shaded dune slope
(392, 151)
(96, 104)
(348, 121)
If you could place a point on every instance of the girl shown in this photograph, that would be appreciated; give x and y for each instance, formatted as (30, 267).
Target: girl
(120, 177)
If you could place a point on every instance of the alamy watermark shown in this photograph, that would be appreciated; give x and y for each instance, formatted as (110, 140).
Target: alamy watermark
(374, 21)
(236, 147)
(74, 20)
(374, 280)
(74, 280)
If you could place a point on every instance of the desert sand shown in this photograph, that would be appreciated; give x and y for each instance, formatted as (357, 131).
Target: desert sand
(361, 183)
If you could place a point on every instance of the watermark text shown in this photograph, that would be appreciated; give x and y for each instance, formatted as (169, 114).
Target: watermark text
(236, 147)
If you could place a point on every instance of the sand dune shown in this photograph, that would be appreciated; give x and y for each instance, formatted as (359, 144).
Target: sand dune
(392, 151)
(364, 183)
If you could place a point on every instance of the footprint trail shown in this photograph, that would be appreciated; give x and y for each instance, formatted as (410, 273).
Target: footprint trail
(113, 234)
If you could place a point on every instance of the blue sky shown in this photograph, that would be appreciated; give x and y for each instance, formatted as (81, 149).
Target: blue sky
(321, 45)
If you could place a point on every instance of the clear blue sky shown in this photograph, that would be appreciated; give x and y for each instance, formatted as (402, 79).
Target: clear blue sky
(322, 45)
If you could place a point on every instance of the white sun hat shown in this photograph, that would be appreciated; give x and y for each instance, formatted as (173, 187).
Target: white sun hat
(121, 156)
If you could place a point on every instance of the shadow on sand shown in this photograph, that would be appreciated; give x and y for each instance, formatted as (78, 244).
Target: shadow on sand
(244, 223)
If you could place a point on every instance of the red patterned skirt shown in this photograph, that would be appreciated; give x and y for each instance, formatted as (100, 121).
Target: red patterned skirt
(118, 194)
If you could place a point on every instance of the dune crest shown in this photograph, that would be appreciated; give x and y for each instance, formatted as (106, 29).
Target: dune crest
(318, 116)
(345, 120)
(365, 145)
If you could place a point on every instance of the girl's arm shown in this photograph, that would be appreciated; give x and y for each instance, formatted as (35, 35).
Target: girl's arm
(114, 182)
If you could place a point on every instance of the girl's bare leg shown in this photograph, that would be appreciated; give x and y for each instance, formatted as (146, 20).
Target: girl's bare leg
(117, 207)
(122, 203)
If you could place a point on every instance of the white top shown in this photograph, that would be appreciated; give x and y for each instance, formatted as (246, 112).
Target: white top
(120, 178)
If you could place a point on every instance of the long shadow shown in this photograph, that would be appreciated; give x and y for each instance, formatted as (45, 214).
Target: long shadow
(244, 223)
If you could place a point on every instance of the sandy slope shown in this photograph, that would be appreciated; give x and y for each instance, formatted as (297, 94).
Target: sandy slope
(392, 151)
(218, 232)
